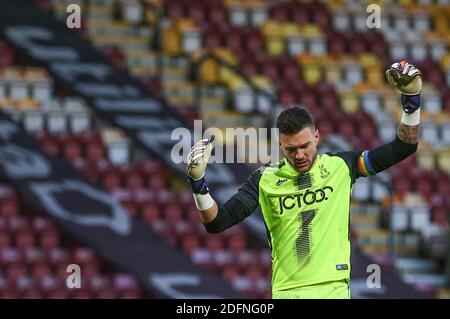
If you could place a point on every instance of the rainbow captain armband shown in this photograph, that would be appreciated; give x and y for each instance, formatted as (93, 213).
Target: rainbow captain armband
(364, 166)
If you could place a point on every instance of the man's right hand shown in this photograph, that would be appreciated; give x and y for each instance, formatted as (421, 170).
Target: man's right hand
(197, 159)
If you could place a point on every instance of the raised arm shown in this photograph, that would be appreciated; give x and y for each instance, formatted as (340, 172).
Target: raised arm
(407, 80)
(238, 207)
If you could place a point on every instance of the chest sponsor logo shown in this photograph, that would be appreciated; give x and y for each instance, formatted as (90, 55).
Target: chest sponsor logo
(307, 198)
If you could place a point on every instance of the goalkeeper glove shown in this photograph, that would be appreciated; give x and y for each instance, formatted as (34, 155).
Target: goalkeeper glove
(197, 160)
(407, 79)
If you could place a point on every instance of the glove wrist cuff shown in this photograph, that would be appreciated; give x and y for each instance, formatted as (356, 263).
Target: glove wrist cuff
(411, 119)
(199, 186)
(410, 103)
(203, 201)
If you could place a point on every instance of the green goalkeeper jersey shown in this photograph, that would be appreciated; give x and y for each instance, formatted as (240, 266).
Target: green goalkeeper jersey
(307, 215)
(307, 218)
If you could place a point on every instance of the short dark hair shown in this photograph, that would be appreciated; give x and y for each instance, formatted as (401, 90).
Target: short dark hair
(293, 120)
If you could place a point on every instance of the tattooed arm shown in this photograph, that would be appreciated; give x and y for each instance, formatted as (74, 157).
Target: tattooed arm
(408, 133)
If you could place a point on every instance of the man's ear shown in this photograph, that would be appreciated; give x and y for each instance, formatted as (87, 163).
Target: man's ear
(317, 135)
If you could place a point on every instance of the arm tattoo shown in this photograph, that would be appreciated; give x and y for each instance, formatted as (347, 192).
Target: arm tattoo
(408, 134)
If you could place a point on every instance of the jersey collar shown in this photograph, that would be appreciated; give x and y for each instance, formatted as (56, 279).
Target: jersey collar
(289, 171)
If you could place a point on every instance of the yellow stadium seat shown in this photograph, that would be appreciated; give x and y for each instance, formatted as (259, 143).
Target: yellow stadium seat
(349, 102)
(7, 103)
(209, 72)
(374, 77)
(310, 30)
(443, 160)
(233, 80)
(272, 32)
(261, 81)
(312, 74)
(369, 60)
(226, 55)
(185, 24)
(332, 73)
(27, 104)
(171, 41)
(290, 28)
(426, 159)
(445, 61)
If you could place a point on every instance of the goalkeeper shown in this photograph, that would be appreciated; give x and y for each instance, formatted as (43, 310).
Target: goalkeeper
(305, 199)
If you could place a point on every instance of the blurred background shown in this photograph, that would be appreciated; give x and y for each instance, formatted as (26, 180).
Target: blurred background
(231, 63)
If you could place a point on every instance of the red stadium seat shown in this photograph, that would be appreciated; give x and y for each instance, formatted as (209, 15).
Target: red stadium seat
(16, 270)
(131, 294)
(59, 255)
(299, 13)
(190, 243)
(5, 239)
(72, 151)
(81, 255)
(49, 240)
(237, 244)
(9, 208)
(40, 270)
(18, 223)
(106, 294)
(279, 13)
(233, 41)
(269, 67)
(212, 39)
(150, 213)
(24, 239)
(82, 294)
(253, 42)
(40, 224)
(214, 243)
(158, 183)
(217, 15)
(58, 294)
(95, 151)
(173, 213)
(230, 272)
(134, 181)
(111, 181)
(34, 255)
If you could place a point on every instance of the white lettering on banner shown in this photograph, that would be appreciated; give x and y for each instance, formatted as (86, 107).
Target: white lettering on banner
(69, 71)
(178, 153)
(73, 21)
(74, 279)
(24, 37)
(98, 89)
(21, 163)
(7, 129)
(129, 105)
(136, 122)
(157, 141)
(166, 284)
(118, 220)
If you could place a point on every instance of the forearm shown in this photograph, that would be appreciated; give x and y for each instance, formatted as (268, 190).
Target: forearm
(404, 145)
(238, 207)
(208, 215)
(408, 133)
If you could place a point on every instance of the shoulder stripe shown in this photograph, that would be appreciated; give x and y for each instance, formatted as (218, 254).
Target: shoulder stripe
(364, 164)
